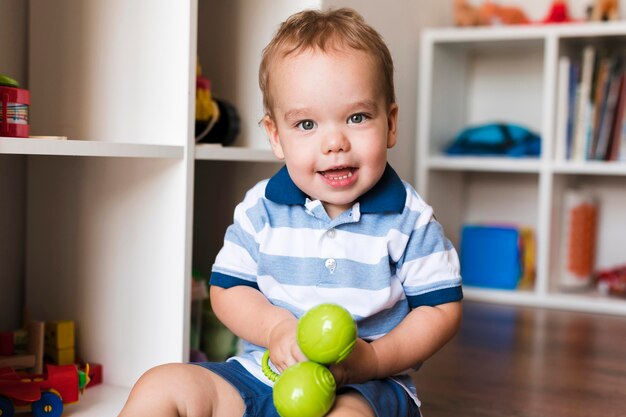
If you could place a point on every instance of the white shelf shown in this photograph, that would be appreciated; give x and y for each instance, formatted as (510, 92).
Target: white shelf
(472, 76)
(466, 163)
(471, 35)
(588, 302)
(590, 167)
(98, 401)
(29, 146)
(217, 152)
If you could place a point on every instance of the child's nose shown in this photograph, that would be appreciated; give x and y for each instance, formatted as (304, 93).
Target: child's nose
(335, 141)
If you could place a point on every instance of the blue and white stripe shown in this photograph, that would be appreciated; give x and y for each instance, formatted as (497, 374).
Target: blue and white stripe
(390, 254)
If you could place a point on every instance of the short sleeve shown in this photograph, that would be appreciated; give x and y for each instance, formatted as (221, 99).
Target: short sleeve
(429, 267)
(236, 262)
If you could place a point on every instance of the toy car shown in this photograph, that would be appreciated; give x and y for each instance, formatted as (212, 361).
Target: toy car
(44, 393)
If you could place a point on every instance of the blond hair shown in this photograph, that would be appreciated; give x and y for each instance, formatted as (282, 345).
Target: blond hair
(315, 29)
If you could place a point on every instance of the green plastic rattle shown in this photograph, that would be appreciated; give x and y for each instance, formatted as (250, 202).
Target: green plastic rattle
(326, 335)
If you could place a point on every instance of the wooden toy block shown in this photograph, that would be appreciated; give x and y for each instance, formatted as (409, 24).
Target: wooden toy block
(60, 334)
(64, 356)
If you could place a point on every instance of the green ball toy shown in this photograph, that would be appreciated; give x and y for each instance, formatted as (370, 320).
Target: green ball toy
(306, 389)
(326, 335)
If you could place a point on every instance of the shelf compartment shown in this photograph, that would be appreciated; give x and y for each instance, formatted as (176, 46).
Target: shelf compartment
(94, 230)
(87, 148)
(472, 83)
(483, 197)
(610, 192)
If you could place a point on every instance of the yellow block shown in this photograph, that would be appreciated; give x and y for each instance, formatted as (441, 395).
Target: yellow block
(59, 334)
(61, 356)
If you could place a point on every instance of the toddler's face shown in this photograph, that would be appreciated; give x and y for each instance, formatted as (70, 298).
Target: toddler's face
(331, 124)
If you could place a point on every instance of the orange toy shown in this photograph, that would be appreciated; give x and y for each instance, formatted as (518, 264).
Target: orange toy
(579, 239)
(487, 14)
(605, 10)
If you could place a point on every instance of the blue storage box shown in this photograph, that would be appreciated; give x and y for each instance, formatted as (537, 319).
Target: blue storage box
(490, 256)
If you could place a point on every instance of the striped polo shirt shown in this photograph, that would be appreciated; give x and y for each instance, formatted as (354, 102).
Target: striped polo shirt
(380, 259)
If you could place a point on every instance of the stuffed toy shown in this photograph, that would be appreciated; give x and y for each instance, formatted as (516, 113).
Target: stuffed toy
(487, 14)
(465, 14)
(558, 13)
(605, 10)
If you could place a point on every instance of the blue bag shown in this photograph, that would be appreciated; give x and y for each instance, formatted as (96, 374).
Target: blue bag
(496, 139)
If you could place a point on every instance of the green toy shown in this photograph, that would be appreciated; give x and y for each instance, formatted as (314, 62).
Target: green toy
(326, 335)
(7, 81)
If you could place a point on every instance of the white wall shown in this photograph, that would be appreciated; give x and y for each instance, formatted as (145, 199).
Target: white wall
(13, 40)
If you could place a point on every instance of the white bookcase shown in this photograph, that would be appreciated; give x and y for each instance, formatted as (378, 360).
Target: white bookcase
(478, 75)
(99, 228)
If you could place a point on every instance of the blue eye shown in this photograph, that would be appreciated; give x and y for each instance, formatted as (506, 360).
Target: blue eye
(306, 125)
(357, 118)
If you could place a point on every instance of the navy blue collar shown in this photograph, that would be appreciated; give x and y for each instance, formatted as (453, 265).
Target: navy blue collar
(388, 195)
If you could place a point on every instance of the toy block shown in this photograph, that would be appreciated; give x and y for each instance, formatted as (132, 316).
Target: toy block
(95, 374)
(7, 346)
(64, 356)
(60, 334)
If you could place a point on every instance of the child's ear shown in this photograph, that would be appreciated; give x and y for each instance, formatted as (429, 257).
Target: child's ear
(272, 133)
(392, 125)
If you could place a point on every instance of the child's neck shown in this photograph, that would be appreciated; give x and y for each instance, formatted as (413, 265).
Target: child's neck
(334, 211)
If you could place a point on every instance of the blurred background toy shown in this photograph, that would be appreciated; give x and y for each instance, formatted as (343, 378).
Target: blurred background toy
(465, 14)
(579, 230)
(14, 104)
(23, 348)
(604, 10)
(207, 110)
(612, 281)
(487, 14)
(490, 13)
(217, 121)
(59, 342)
(45, 394)
(558, 13)
(210, 340)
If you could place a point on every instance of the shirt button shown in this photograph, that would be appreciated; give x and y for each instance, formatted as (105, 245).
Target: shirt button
(331, 233)
(330, 264)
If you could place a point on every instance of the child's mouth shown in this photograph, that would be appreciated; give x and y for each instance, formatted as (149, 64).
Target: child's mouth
(339, 177)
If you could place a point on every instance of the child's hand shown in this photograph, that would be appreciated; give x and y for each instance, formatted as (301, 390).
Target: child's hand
(360, 366)
(283, 344)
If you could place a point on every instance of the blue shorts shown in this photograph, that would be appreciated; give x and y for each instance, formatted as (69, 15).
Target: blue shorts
(386, 397)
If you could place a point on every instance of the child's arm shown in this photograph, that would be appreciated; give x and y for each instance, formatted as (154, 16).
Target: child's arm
(248, 314)
(422, 333)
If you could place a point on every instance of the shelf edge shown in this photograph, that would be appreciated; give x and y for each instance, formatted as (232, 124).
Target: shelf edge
(217, 152)
(23, 146)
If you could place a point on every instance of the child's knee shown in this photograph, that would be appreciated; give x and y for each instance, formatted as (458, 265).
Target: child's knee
(161, 374)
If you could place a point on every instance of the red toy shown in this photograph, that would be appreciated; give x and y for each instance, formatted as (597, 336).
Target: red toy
(558, 13)
(14, 103)
(612, 281)
(45, 393)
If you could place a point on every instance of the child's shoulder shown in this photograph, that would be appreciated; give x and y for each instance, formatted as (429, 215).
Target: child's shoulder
(257, 191)
(253, 197)
(414, 201)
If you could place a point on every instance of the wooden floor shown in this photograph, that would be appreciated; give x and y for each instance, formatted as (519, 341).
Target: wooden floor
(525, 362)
